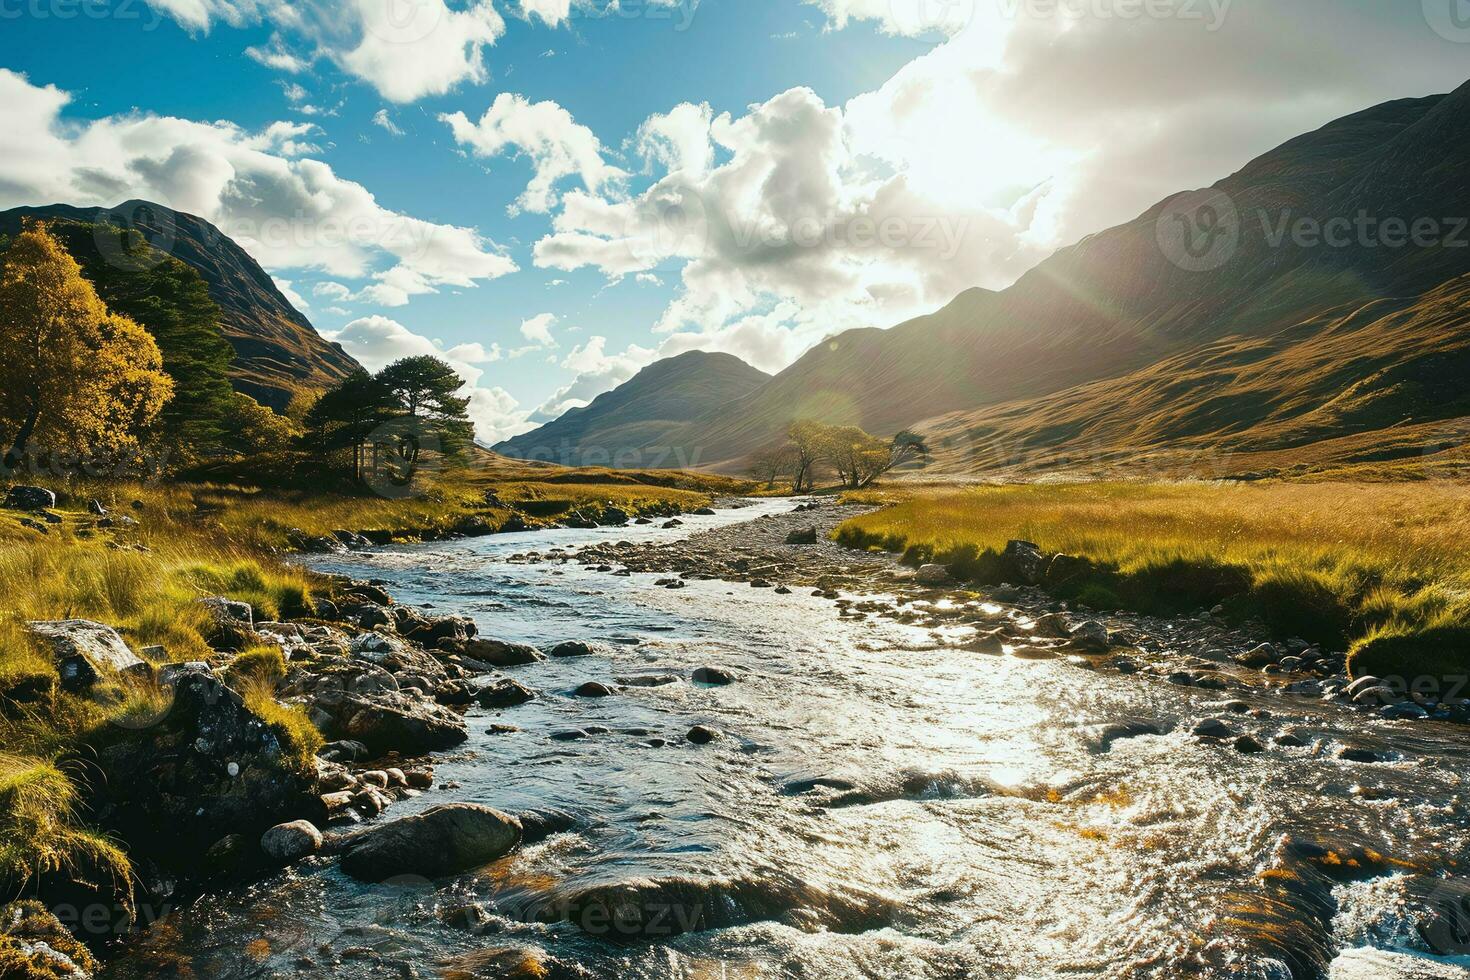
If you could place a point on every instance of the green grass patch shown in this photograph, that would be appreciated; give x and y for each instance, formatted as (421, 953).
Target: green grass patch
(1379, 569)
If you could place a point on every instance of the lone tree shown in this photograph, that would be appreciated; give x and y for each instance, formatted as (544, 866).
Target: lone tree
(73, 375)
(810, 443)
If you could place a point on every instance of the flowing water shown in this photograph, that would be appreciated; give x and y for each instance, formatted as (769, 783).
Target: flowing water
(879, 805)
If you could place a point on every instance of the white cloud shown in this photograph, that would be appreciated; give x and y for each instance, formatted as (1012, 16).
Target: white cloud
(406, 49)
(557, 145)
(385, 121)
(538, 329)
(286, 286)
(678, 139)
(331, 290)
(551, 12)
(289, 213)
(377, 341)
(1014, 135)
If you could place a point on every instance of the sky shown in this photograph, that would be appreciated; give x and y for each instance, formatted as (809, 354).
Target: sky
(552, 194)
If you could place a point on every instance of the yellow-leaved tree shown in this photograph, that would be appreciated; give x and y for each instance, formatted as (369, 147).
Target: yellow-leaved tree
(73, 376)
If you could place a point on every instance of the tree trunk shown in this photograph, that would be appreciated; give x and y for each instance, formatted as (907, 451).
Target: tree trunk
(16, 453)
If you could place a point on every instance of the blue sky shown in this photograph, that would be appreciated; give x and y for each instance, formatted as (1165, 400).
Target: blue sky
(741, 175)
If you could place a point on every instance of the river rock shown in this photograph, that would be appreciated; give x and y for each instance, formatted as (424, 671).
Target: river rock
(805, 535)
(287, 843)
(1091, 637)
(443, 840)
(713, 676)
(232, 623)
(396, 723)
(504, 693)
(1054, 625)
(395, 656)
(592, 689)
(933, 575)
(700, 735)
(499, 653)
(1213, 728)
(29, 498)
(344, 750)
(84, 651)
(571, 648)
(1247, 745)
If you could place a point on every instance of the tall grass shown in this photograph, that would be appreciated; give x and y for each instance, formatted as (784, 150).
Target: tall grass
(1381, 568)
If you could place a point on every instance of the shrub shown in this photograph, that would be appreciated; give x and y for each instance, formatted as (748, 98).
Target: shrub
(265, 664)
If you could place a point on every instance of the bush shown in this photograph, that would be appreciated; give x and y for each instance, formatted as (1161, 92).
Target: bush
(263, 664)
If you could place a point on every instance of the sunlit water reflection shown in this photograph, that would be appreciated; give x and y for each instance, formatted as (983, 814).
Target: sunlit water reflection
(879, 806)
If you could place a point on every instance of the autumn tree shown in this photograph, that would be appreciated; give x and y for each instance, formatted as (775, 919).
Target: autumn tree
(74, 376)
(809, 442)
(769, 465)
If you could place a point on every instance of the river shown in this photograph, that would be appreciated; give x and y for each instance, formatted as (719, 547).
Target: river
(879, 805)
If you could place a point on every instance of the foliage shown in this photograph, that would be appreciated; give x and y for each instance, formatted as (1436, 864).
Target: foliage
(73, 375)
(171, 300)
(1377, 567)
(253, 429)
(857, 457)
(345, 418)
(265, 664)
(426, 387)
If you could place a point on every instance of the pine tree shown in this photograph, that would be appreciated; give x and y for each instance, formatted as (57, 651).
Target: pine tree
(346, 416)
(427, 388)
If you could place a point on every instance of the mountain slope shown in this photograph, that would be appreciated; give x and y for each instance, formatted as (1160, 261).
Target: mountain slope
(277, 351)
(631, 425)
(1132, 297)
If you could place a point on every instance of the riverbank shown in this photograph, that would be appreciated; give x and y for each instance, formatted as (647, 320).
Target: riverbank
(1378, 570)
(159, 622)
(1020, 613)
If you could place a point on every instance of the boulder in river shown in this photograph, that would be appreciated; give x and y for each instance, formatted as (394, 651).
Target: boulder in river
(397, 723)
(1213, 728)
(443, 840)
(499, 653)
(805, 535)
(700, 735)
(504, 693)
(571, 648)
(592, 689)
(713, 676)
(287, 843)
(1091, 637)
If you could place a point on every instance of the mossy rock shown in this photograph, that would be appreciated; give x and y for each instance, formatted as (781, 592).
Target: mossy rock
(35, 946)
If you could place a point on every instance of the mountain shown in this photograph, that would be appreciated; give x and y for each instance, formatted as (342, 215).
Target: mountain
(277, 350)
(631, 425)
(1293, 312)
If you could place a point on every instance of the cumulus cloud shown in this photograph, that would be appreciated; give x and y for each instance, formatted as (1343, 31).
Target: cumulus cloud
(550, 12)
(406, 50)
(288, 212)
(557, 146)
(538, 329)
(1024, 128)
(377, 341)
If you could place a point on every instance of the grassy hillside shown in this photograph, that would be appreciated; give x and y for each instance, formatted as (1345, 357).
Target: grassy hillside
(1345, 383)
(1379, 569)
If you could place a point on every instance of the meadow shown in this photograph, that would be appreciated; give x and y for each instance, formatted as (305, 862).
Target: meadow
(1380, 570)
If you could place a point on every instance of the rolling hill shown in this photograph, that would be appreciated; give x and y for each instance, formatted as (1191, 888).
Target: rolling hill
(632, 425)
(1306, 315)
(277, 350)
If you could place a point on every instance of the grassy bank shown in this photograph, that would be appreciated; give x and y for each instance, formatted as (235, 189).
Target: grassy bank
(1380, 569)
(192, 540)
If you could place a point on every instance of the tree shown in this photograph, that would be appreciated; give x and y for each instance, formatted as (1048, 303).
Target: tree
(255, 429)
(345, 417)
(809, 441)
(426, 387)
(73, 374)
(171, 300)
(769, 465)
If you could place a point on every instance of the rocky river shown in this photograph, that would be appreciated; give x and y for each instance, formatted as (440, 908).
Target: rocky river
(790, 760)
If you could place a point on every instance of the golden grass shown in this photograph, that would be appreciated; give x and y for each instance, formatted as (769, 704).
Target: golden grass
(1380, 567)
(38, 833)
